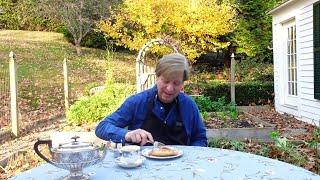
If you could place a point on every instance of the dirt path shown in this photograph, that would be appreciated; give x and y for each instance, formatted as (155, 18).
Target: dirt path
(286, 124)
(26, 141)
(17, 155)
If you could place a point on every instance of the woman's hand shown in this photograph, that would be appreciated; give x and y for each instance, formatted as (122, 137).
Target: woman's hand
(139, 136)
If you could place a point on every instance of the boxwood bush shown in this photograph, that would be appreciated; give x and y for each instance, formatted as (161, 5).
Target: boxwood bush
(247, 93)
(90, 109)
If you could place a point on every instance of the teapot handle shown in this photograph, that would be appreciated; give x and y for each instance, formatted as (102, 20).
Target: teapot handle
(36, 149)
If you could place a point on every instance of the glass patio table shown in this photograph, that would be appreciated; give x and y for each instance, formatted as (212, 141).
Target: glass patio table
(195, 163)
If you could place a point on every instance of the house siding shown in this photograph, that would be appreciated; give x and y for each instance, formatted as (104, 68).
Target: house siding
(307, 108)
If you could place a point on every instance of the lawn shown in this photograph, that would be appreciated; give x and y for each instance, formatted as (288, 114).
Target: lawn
(39, 57)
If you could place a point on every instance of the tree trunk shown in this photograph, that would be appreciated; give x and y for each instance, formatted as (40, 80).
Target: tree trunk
(227, 59)
(78, 47)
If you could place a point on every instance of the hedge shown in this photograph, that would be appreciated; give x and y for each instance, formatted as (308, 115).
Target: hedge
(247, 93)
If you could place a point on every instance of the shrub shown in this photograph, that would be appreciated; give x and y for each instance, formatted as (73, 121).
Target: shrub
(225, 143)
(220, 105)
(26, 15)
(247, 93)
(246, 70)
(250, 70)
(285, 150)
(281, 149)
(315, 138)
(93, 39)
(222, 109)
(89, 86)
(94, 108)
(204, 103)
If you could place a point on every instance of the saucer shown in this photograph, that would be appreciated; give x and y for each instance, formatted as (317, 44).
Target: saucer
(130, 148)
(130, 162)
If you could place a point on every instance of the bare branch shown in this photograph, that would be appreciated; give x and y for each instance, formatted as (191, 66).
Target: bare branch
(78, 16)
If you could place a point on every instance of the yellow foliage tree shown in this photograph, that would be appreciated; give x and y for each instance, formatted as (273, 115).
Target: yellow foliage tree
(195, 24)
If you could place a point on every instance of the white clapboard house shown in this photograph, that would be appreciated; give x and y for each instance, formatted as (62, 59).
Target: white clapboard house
(296, 54)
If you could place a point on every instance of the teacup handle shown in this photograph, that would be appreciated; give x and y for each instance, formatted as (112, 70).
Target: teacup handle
(36, 149)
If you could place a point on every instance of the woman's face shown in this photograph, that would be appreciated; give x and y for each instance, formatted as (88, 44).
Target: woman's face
(169, 87)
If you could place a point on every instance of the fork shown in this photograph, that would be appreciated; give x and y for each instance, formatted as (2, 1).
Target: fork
(157, 144)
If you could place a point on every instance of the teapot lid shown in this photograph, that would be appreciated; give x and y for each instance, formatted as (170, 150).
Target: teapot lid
(75, 145)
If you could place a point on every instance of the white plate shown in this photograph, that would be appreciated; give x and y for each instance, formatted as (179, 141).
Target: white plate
(145, 153)
(121, 161)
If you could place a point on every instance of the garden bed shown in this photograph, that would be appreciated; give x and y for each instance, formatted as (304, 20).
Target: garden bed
(246, 126)
(295, 142)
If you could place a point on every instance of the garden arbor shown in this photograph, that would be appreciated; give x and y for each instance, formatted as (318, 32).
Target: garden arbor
(145, 74)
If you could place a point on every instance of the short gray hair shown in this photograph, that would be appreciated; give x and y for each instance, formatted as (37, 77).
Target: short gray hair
(173, 63)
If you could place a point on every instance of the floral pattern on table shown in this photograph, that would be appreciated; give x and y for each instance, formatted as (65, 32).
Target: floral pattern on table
(196, 163)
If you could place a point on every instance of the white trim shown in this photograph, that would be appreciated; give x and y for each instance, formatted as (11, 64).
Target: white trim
(287, 99)
(287, 21)
(280, 6)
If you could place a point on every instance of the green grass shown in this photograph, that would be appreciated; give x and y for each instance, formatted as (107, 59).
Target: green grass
(39, 57)
(32, 36)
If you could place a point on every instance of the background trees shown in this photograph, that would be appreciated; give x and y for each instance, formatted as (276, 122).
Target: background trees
(78, 16)
(25, 15)
(199, 25)
(253, 33)
(196, 25)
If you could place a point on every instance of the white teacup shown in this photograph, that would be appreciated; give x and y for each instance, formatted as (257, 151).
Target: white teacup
(130, 154)
(130, 149)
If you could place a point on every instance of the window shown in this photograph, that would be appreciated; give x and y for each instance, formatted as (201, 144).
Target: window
(292, 60)
(316, 46)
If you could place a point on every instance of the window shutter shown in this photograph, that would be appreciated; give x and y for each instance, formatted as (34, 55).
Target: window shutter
(316, 46)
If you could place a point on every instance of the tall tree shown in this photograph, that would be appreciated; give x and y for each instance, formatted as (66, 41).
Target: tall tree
(78, 16)
(253, 33)
(195, 24)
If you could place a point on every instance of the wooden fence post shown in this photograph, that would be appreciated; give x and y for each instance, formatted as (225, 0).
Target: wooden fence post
(232, 79)
(66, 86)
(13, 95)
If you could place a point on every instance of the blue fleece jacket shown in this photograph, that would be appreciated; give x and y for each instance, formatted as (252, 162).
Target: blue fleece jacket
(133, 112)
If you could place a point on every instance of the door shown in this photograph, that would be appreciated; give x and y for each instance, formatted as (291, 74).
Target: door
(290, 64)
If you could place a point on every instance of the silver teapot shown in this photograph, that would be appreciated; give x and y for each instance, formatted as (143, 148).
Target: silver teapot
(73, 156)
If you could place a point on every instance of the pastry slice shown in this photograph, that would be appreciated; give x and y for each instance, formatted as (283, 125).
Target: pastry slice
(163, 152)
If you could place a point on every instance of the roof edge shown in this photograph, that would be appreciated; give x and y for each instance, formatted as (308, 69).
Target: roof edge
(280, 6)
